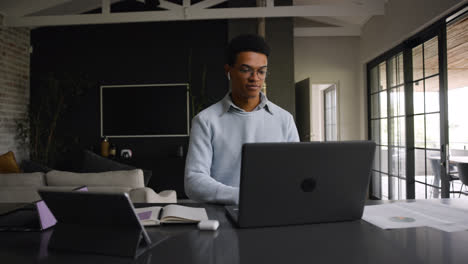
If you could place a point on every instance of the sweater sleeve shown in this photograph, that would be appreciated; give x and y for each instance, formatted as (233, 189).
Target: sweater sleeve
(293, 135)
(199, 185)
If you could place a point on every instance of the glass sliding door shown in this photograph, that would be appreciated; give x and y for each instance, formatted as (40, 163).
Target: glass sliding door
(387, 117)
(379, 128)
(426, 110)
(457, 93)
(418, 103)
(397, 119)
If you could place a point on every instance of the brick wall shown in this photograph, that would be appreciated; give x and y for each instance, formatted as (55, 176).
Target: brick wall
(14, 86)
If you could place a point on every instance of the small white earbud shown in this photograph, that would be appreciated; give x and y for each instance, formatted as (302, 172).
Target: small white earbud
(229, 76)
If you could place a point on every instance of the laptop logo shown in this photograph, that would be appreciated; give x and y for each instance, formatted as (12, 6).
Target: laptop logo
(308, 185)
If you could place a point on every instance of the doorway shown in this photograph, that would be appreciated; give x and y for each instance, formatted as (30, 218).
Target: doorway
(317, 110)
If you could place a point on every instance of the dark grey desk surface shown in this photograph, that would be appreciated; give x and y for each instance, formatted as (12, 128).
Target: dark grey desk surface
(346, 242)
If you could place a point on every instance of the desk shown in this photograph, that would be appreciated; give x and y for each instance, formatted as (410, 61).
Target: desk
(346, 242)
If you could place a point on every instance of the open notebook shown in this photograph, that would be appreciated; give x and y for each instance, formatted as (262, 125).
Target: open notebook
(156, 215)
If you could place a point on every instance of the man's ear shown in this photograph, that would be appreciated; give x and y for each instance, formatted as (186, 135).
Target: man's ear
(227, 69)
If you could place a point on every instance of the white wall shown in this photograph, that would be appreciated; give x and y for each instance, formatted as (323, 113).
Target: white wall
(402, 19)
(330, 60)
(343, 59)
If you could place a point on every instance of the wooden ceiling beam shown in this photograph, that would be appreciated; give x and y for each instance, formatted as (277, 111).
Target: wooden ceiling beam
(369, 8)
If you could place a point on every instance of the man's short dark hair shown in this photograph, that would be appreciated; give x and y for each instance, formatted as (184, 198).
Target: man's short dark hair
(246, 42)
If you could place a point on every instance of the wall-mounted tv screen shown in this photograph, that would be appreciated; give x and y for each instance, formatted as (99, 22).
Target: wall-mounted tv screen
(149, 110)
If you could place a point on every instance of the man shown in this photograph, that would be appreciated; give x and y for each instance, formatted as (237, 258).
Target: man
(212, 170)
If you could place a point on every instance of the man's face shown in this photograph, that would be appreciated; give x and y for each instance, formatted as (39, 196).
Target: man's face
(248, 74)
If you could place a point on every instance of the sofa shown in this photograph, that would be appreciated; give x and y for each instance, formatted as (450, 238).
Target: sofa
(19, 183)
(22, 187)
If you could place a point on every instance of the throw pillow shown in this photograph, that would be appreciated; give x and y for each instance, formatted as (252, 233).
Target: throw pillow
(8, 163)
(32, 166)
(95, 163)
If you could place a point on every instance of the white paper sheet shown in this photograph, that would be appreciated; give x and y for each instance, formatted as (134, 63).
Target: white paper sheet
(432, 213)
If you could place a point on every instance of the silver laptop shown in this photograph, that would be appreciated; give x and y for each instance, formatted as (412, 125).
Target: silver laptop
(302, 183)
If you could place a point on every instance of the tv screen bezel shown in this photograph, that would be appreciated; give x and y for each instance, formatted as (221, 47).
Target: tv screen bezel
(145, 85)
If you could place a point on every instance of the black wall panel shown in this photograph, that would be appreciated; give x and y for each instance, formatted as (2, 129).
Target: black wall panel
(132, 53)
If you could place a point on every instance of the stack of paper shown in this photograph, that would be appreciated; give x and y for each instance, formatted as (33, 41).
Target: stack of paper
(432, 213)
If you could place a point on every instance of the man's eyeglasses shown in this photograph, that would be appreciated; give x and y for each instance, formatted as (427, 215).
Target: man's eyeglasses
(248, 71)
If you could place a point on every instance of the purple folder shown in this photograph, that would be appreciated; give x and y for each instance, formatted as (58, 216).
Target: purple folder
(46, 218)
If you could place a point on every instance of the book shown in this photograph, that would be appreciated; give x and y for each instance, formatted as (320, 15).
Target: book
(157, 215)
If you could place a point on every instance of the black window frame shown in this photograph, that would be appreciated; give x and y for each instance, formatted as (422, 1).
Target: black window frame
(439, 29)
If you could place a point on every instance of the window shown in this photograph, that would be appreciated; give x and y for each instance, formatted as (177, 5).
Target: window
(457, 93)
(426, 109)
(408, 102)
(379, 128)
(330, 113)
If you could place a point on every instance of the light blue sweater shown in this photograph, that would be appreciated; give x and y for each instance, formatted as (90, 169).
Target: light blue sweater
(212, 169)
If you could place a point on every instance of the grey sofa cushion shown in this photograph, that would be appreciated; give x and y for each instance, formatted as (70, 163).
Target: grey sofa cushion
(19, 194)
(35, 179)
(95, 163)
(103, 189)
(137, 195)
(124, 178)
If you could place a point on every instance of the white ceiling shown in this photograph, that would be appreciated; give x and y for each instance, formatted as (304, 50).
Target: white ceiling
(312, 17)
